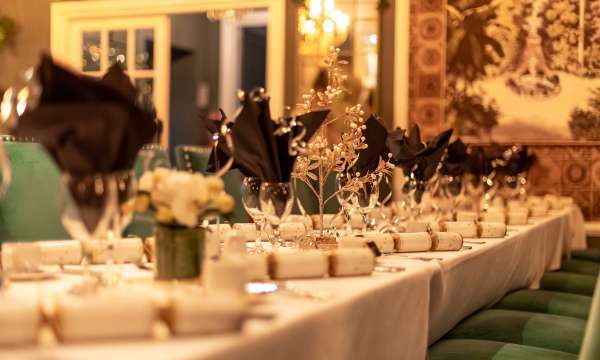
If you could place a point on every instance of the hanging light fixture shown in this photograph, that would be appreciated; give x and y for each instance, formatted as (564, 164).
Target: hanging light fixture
(322, 25)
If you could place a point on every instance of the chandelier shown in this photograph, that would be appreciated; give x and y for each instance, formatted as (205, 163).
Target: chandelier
(322, 25)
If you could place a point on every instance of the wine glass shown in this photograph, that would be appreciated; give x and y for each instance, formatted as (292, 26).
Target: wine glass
(344, 196)
(365, 200)
(87, 204)
(251, 202)
(276, 200)
(126, 192)
(453, 189)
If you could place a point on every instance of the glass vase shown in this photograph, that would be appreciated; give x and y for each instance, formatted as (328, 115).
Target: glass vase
(179, 252)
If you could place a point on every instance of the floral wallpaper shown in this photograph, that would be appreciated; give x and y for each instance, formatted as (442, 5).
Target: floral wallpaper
(523, 71)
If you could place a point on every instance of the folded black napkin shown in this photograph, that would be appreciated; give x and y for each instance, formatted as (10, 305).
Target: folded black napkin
(258, 150)
(417, 158)
(375, 135)
(455, 162)
(429, 158)
(519, 162)
(88, 126)
(414, 156)
(405, 147)
(480, 163)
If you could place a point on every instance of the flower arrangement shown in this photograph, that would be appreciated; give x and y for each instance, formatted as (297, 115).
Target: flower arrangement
(181, 198)
(319, 159)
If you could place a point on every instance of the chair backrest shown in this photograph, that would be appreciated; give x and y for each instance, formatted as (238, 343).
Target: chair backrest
(192, 158)
(30, 209)
(150, 157)
(590, 349)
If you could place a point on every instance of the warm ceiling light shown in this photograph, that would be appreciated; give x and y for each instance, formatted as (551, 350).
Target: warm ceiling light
(373, 39)
(315, 9)
(328, 26)
(309, 27)
(320, 17)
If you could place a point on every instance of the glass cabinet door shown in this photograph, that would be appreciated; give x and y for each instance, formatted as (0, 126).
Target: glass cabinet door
(140, 45)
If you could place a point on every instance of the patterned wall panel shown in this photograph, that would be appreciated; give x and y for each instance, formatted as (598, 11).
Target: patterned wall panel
(428, 64)
(571, 169)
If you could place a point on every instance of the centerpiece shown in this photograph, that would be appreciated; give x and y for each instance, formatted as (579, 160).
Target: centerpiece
(320, 158)
(181, 201)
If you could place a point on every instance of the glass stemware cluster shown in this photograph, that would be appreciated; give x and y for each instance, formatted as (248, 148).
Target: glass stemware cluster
(267, 203)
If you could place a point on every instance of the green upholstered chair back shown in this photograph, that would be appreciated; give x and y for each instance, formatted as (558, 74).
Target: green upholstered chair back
(590, 349)
(195, 159)
(150, 157)
(233, 186)
(30, 209)
(309, 201)
(192, 158)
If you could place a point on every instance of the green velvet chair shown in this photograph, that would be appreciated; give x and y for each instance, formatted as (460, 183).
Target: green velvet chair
(470, 349)
(233, 186)
(192, 158)
(525, 328)
(588, 255)
(578, 266)
(547, 302)
(30, 209)
(309, 200)
(546, 331)
(590, 350)
(568, 282)
(150, 157)
(195, 159)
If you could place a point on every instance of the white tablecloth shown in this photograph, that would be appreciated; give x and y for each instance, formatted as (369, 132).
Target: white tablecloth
(384, 316)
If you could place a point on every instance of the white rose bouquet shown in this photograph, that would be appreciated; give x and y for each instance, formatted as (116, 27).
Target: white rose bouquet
(182, 198)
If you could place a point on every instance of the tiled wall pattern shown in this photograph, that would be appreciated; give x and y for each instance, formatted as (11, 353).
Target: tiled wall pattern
(572, 170)
(428, 64)
(568, 169)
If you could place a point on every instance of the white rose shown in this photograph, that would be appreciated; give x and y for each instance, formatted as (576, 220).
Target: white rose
(147, 182)
(167, 188)
(184, 210)
(214, 184)
(224, 203)
(161, 173)
(196, 189)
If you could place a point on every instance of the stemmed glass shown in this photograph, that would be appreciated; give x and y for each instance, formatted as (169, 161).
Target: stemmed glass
(87, 204)
(453, 188)
(344, 197)
(251, 202)
(383, 202)
(365, 200)
(126, 191)
(474, 188)
(276, 201)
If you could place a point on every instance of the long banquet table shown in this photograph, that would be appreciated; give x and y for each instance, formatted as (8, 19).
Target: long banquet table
(384, 316)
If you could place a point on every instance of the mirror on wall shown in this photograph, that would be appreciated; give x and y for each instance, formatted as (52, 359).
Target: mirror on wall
(353, 27)
(213, 55)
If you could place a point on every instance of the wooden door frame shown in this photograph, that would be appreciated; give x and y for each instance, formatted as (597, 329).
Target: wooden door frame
(64, 13)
